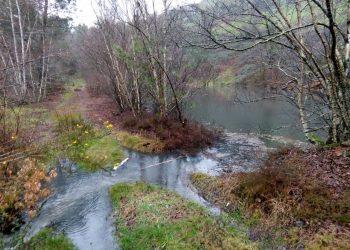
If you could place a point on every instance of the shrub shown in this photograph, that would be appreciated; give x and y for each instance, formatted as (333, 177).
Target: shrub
(22, 181)
(174, 135)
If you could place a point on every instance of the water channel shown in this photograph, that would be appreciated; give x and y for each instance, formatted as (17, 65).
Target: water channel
(80, 206)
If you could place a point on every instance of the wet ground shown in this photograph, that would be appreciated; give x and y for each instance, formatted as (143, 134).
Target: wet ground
(80, 205)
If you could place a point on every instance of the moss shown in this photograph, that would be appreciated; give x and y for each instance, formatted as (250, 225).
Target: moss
(47, 240)
(150, 217)
(139, 142)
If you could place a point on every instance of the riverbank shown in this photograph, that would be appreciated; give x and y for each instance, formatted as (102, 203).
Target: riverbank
(70, 124)
(297, 199)
(46, 239)
(150, 217)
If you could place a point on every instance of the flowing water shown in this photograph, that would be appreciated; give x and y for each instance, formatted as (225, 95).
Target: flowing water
(80, 205)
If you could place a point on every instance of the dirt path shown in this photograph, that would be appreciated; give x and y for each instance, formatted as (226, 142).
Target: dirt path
(95, 109)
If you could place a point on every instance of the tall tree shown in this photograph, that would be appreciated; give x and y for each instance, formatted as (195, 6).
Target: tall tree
(313, 38)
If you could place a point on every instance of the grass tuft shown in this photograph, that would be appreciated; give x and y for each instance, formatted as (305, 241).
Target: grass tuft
(292, 197)
(149, 217)
(139, 142)
(91, 148)
(47, 240)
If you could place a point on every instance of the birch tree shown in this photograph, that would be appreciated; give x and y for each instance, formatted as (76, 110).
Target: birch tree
(313, 39)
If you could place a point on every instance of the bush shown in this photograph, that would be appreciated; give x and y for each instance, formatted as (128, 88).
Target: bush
(22, 181)
(174, 135)
(292, 188)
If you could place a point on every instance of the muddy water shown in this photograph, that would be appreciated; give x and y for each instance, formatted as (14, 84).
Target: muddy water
(80, 206)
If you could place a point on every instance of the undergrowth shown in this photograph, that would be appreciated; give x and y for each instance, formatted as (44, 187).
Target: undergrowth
(139, 143)
(149, 217)
(91, 148)
(290, 199)
(21, 182)
(187, 136)
(47, 240)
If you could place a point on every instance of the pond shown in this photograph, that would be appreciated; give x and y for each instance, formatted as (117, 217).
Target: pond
(246, 110)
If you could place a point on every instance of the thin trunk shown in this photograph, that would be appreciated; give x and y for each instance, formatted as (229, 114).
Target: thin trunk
(43, 41)
(301, 90)
(24, 87)
(347, 43)
(17, 66)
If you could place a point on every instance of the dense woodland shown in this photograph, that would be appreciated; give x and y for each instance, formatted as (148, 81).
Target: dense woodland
(148, 62)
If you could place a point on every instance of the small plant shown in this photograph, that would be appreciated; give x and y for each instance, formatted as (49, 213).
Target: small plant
(47, 240)
(71, 122)
(22, 181)
(91, 148)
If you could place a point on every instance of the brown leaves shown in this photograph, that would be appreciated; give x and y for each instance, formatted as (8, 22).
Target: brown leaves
(24, 187)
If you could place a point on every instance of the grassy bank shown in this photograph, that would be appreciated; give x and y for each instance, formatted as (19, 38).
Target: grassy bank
(139, 142)
(47, 240)
(90, 147)
(297, 199)
(149, 217)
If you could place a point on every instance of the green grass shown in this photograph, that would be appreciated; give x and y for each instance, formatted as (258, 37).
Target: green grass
(47, 240)
(139, 143)
(149, 217)
(91, 148)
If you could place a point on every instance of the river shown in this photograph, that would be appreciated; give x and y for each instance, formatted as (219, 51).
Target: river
(80, 205)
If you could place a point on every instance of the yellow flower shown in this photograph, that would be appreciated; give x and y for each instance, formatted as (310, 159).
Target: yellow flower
(74, 142)
(109, 126)
(86, 132)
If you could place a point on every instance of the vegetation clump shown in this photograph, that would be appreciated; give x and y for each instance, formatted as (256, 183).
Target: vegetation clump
(22, 185)
(139, 143)
(149, 217)
(47, 240)
(187, 136)
(305, 194)
(91, 148)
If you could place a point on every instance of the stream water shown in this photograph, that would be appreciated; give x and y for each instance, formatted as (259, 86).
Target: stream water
(80, 205)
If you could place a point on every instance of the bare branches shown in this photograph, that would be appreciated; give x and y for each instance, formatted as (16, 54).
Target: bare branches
(313, 39)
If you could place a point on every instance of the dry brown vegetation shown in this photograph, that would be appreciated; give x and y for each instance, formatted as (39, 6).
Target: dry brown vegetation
(21, 185)
(189, 136)
(301, 197)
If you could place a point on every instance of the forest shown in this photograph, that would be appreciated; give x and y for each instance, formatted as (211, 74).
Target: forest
(166, 124)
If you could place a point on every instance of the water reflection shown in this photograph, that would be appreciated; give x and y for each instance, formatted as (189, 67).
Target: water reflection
(221, 106)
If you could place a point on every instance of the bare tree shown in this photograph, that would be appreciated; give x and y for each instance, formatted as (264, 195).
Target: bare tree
(313, 39)
(136, 48)
(27, 35)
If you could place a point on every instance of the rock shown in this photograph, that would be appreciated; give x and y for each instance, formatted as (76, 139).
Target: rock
(299, 223)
